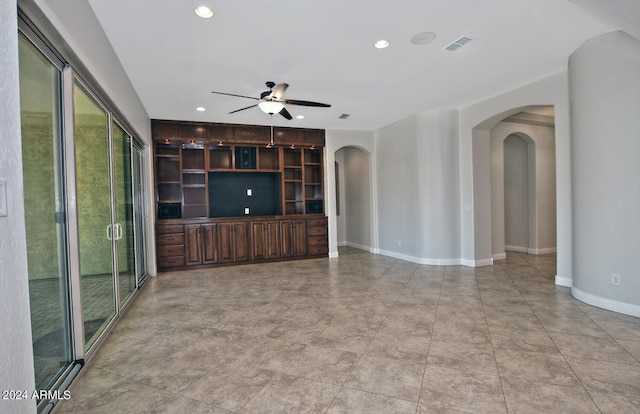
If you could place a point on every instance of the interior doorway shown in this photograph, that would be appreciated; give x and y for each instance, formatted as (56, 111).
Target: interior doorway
(523, 183)
(354, 197)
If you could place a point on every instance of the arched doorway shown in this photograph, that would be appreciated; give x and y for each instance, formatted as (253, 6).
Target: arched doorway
(354, 213)
(519, 192)
(523, 183)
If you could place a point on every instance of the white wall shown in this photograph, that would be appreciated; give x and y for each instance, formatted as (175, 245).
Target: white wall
(418, 193)
(541, 222)
(605, 100)
(16, 354)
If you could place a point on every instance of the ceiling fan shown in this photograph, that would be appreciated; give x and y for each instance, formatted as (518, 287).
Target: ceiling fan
(271, 101)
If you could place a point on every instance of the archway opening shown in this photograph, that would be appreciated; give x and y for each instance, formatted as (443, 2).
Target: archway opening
(354, 198)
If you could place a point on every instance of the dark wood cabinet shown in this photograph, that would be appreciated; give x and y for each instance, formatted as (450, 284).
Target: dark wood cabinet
(201, 244)
(294, 238)
(317, 237)
(170, 246)
(194, 161)
(265, 240)
(233, 242)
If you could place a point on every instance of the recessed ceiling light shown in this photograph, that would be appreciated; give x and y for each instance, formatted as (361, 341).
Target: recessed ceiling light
(300, 117)
(423, 38)
(200, 109)
(381, 44)
(204, 12)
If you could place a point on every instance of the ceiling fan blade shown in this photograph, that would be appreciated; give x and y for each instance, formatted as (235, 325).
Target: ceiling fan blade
(278, 91)
(305, 103)
(285, 114)
(238, 96)
(242, 109)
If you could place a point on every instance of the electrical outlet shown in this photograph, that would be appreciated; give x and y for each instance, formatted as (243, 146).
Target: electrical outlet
(615, 280)
(246, 210)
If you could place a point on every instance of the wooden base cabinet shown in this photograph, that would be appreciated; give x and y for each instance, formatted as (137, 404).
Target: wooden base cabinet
(317, 237)
(265, 240)
(170, 246)
(201, 244)
(233, 241)
(294, 238)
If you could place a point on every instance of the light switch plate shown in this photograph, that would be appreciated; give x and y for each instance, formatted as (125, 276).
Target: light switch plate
(246, 210)
(3, 198)
(249, 192)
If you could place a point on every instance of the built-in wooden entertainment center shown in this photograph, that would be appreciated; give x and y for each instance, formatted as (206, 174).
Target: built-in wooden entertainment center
(226, 194)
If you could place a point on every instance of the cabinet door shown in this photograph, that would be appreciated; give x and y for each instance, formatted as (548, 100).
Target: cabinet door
(192, 246)
(258, 240)
(294, 238)
(225, 242)
(210, 243)
(265, 240)
(272, 234)
(241, 247)
(233, 239)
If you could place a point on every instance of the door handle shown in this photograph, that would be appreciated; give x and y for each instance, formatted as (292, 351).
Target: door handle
(118, 231)
(109, 232)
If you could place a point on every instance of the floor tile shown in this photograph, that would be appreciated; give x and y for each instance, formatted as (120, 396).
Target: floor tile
(527, 397)
(544, 367)
(390, 377)
(462, 390)
(590, 347)
(351, 401)
(608, 377)
(289, 394)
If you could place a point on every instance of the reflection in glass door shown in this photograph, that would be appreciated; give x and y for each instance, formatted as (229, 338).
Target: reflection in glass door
(40, 107)
(95, 225)
(123, 229)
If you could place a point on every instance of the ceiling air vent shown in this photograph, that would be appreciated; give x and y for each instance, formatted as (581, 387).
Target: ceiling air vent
(344, 116)
(458, 44)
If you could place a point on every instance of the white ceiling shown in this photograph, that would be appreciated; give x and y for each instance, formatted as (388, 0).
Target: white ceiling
(324, 50)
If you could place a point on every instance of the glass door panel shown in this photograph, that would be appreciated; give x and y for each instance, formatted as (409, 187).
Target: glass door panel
(123, 228)
(95, 226)
(139, 214)
(40, 107)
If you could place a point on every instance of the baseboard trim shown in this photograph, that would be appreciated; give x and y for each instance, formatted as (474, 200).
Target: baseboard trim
(535, 251)
(359, 247)
(564, 281)
(500, 256)
(608, 304)
(545, 250)
(435, 262)
(518, 249)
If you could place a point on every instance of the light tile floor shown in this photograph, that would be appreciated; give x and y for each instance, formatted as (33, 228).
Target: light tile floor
(364, 333)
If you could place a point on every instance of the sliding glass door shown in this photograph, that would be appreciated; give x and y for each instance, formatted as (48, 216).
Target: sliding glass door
(95, 222)
(44, 200)
(123, 221)
(83, 197)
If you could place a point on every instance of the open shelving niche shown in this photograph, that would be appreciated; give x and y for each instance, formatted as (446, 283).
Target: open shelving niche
(182, 176)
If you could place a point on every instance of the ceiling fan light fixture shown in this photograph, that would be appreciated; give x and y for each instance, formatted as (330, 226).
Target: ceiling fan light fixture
(204, 12)
(271, 107)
